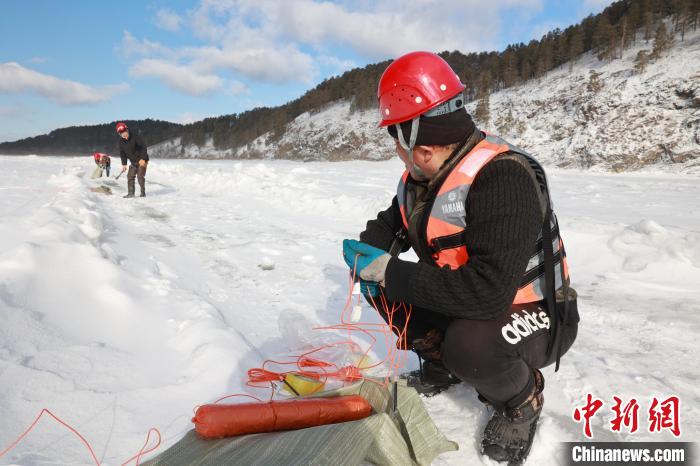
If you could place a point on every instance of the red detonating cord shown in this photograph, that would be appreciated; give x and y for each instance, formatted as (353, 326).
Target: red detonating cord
(309, 364)
(312, 367)
(24, 434)
(137, 457)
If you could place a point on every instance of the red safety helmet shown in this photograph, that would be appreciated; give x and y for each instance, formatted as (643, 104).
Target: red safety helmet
(121, 127)
(414, 84)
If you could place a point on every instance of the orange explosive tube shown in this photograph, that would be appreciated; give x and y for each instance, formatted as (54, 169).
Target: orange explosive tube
(220, 420)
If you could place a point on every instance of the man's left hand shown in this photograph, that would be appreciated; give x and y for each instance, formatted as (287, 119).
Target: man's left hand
(367, 261)
(369, 288)
(142, 163)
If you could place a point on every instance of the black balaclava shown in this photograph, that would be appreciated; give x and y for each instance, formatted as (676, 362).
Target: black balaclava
(439, 130)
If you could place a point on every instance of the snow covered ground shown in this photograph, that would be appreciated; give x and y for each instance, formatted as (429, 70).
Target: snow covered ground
(120, 315)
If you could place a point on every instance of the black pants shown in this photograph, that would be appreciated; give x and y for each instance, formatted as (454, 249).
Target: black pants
(134, 172)
(496, 356)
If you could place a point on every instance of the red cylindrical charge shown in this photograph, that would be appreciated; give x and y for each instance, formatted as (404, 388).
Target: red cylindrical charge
(221, 420)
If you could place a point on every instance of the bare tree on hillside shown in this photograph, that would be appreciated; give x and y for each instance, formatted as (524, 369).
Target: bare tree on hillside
(641, 61)
(594, 83)
(663, 41)
(635, 20)
(575, 47)
(648, 25)
(482, 113)
(605, 39)
(624, 35)
(682, 16)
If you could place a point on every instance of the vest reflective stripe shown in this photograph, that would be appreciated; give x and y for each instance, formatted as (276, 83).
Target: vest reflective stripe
(448, 217)
(401, 196)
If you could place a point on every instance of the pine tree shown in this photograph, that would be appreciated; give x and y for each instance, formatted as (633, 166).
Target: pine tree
(681, 16)
(662, 41)
(575, 46)
(560, 51)
(613, 43)
(510, 68)
(635, 20)
(506, 123)
(694, 14)
(588, 25)
(594, 83)
(648, 25)
(625, 36)
(601, 34)
(494, 72)
(641, 61)
(604, 39)
(482, 113)
(526, 69)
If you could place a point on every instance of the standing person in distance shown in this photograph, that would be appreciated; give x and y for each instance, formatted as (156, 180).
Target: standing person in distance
(132, 147)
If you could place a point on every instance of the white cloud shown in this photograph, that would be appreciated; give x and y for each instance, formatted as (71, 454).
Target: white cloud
(206, 27)
(257, 60)
(280, 42)
(10, 110)
(15, 78)
(593, 4)
(179, 77)
(238, 88)
(186, 118)
(168, 20)
(542, 29)
(37, 60)
(336, 63)
(130, 47)
(377, 30)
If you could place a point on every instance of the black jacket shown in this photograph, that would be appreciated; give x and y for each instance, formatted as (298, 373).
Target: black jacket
(503, 217)
(133, 149)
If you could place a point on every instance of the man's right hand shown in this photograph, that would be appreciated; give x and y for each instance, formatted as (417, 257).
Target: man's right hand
(123, 168)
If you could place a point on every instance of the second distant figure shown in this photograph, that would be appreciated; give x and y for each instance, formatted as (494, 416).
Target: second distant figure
(132, 147)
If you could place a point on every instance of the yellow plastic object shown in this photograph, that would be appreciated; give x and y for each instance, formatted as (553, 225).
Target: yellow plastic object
(362, 361)
(301, 385)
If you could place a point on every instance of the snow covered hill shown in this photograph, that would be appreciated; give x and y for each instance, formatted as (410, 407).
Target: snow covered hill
(123, 315)
(635, 120)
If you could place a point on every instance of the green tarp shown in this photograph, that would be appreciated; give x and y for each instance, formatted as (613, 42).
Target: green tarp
(408, 438)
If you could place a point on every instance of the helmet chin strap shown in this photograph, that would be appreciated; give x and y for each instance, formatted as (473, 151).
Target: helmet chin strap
(417, 172)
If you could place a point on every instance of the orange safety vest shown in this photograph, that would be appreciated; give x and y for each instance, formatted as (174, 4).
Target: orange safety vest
(446, 228)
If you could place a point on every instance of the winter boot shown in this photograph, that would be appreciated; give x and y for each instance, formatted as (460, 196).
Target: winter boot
(143, 191)
(432, 378)
(508, 435)
(131, 186)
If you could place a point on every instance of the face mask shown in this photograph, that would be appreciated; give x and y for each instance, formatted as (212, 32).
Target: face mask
(414, 169)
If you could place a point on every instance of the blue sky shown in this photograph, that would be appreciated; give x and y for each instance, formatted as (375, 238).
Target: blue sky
(86, 62)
